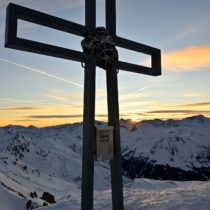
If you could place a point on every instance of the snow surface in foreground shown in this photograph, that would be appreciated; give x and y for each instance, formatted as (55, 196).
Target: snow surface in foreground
(152, 195)
(141, 194)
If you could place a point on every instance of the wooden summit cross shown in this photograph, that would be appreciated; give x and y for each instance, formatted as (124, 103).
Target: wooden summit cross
(15, 12)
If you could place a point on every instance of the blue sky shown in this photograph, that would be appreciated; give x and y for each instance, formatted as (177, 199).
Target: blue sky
(41, 90)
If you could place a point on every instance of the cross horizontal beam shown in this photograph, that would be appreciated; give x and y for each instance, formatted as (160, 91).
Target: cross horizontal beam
(40, 18)
(47, 49)
(135, 68)
(155, 53)
(138, 47)
(15, 12)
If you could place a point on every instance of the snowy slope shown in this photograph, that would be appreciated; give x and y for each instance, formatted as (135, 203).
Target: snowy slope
(45, 160)
(153, 195)
(178, 143)
(141, 194)
(53, 152)
(182, 144)
(49, 160)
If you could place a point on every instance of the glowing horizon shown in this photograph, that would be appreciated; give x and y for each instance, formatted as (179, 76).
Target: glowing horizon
(42, 91)
(44, 116)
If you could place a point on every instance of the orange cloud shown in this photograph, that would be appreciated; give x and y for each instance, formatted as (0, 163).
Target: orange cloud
(197, 104)
(189, 59)
(180, 111)
(20, 108)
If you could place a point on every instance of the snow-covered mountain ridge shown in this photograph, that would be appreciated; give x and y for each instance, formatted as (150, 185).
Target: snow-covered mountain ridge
(49, 159)
(171, 149)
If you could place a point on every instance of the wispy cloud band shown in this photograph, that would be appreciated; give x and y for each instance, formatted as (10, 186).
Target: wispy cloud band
(42, 72)
(192, 58)
(61, 116)
(20, 108)
(16, 100)
(66, 116)
(179, 111)
(197, 104)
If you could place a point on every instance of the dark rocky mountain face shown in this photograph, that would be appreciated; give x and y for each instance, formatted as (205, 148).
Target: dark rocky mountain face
(143, 168)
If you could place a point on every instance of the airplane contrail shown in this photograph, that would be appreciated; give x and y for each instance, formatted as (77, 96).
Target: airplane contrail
(141, 89)
(16, 100)
(42, 72)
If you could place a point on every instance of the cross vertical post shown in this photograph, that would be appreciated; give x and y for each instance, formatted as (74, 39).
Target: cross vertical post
(91, 59)
(113, 114)
(89, 116)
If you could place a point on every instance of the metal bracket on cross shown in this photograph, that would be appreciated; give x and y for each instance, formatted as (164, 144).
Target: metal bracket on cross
(15, 12)
(101, 45)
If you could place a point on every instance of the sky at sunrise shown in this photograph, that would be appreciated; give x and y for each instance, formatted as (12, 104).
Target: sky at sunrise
(40, 90)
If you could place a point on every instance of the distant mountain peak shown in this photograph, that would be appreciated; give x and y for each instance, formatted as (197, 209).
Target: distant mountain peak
(198, 118)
